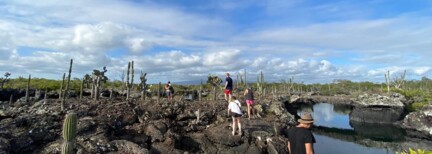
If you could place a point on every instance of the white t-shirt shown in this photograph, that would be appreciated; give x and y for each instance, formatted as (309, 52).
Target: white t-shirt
(235, 107)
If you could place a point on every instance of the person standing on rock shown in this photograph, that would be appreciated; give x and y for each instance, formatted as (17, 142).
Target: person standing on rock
(169, 90)
(249, 101)
(300, 138)
(236, 113)
(228, 87)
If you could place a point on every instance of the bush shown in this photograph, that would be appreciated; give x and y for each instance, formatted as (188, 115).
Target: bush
(412, 151)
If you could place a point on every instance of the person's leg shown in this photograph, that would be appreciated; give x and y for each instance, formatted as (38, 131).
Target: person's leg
(225, 93)
(233, 125)
(239, 126)
(248, 108)
(252, 107)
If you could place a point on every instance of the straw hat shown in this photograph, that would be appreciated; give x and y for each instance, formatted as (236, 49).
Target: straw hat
(306, 118)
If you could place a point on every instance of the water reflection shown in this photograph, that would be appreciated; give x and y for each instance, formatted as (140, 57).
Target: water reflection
(326, 144)
(335, 133)
(328, 115)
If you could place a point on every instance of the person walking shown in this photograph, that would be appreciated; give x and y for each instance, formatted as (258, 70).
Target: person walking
(228, 87)
(248, 93)
(236, 113)
(300, 138)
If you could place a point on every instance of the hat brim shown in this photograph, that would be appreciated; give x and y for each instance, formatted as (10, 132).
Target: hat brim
(305, 121)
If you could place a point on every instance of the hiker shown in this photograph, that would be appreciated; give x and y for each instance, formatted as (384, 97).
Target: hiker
(236, 113)
(169, 89)
(249, 101)
(228, 87)
(300, 138)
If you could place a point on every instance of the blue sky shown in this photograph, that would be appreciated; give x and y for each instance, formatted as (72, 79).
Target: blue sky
(314, 41)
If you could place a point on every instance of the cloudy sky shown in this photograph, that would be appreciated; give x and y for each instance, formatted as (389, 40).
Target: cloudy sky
(181, 40)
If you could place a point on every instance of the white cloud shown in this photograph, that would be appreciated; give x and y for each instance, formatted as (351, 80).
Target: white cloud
(138, 44)
(421, 70)
(221, 58)
(98, 37)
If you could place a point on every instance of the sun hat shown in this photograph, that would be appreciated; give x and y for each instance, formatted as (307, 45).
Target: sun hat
(306, 118)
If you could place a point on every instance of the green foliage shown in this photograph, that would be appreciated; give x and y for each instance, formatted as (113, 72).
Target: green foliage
(413, 151)
(214, 80)
(419, 97)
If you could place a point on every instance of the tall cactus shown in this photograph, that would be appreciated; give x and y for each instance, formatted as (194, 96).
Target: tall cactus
(130, 70)
(81, 88)
(69, 133)
(28, 88)
(67, 85)
(98, 77)
(61, 86)
(245, 81)
(387, 78)
(143, 85)
(158, 92)
(261, 84)
(291, 85)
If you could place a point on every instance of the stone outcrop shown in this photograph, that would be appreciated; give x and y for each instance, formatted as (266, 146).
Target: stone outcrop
(378, 109)
(420, 121)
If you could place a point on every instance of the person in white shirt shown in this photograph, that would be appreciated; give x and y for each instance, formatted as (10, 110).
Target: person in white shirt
(236, 113)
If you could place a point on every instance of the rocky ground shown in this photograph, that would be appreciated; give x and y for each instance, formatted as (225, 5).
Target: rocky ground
(119, 126)
(181, 126)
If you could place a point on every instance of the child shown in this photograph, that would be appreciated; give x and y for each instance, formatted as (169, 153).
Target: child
(249, 101)
(236, 113)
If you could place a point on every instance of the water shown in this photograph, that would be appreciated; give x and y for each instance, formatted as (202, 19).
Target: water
(335, 133)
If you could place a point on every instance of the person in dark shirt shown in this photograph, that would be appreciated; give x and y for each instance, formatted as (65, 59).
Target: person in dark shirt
(300, 138)
(228, 87)
(249, 101)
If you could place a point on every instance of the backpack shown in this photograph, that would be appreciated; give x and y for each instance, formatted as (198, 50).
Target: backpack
(171, 88)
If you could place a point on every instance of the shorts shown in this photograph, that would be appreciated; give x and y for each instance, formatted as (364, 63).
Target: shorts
(168, 93)
(228, 91)
(249, 102)
(235, 115)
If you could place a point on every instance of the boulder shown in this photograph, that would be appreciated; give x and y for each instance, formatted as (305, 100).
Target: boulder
(124, 146)
(378, 109)
(395, 100)
(222, 135)
(420, 121)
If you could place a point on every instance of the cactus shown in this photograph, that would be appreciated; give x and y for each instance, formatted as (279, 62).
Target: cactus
(158, 92)
(291, 85)
(10, 99)
(5, 79)
(28, 88)
(130, 70)
(200, 92)
(143, 85)
(61, 86)
(67, 148)
(387, 78)
(98, 77)
(261, 85)
(67, 85)
(245, 81)
(81, 88)
(45, 95)
(69, 133)
(215, 81)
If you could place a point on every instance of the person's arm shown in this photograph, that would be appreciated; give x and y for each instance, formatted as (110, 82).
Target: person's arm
(246, 91)
(309, 148)
(289, 147)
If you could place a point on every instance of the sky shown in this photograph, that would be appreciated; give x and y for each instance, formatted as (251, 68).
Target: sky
(312, 41)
